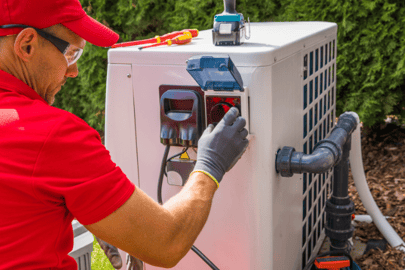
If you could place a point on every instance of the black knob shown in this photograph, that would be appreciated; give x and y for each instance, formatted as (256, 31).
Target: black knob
(218, 111)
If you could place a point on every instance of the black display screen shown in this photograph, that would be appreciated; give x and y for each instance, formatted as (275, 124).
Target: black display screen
(181, 105)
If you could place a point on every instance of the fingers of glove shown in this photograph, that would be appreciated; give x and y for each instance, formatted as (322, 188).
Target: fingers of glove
(230, 116)
(246, 144)
(244, 133)
(239, 123)
(208, 130)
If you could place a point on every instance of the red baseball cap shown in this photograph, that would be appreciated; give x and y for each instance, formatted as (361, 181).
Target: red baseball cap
(45, 13)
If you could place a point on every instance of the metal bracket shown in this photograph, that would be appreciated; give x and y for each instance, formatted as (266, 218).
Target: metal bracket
(246, 36)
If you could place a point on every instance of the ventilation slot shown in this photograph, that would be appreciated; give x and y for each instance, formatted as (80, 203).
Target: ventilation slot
(318, 92)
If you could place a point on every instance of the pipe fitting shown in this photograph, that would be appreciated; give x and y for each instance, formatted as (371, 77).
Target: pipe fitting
(348, 121)
(327, 153)
(283, 165)
(321, 160)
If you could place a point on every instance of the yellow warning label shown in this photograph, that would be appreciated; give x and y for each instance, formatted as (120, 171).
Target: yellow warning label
(184, 156)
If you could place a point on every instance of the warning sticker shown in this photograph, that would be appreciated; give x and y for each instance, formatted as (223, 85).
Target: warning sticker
(184, 156)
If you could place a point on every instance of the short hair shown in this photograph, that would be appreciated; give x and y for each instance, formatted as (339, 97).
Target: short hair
(51, 29)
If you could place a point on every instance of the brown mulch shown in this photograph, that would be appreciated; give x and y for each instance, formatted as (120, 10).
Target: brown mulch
(383, 150)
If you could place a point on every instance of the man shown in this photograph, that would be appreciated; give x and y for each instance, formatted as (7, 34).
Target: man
(53, 167)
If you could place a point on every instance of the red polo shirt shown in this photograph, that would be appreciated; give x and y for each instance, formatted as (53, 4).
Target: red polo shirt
(53, 168)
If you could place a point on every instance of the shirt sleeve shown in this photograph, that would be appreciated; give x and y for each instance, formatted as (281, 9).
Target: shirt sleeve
(74, 170)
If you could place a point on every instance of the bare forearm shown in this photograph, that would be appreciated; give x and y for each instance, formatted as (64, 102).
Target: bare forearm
(190, 209)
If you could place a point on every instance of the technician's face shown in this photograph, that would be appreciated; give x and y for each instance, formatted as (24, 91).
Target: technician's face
(53, 67)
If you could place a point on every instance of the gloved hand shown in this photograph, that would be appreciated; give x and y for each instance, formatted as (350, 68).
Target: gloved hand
(111, 252)
(221, 147)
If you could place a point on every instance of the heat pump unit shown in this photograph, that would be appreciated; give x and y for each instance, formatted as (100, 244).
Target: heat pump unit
(286, 91)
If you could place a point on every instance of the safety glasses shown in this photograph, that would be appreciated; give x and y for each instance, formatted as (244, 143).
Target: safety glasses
(71, 52)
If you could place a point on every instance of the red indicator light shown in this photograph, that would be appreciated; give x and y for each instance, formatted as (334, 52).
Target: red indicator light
(216, 99)
(217, 107)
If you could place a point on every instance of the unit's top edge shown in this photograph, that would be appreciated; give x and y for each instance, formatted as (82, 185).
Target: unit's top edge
(268, 40)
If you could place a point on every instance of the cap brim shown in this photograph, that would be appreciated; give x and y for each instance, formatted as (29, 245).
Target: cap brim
(93, 31)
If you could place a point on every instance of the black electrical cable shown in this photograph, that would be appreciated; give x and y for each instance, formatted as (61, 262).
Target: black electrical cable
(179, 154)
(162, 171)
(204, 258)
(176, 155)
(160, 183)
(330, 253)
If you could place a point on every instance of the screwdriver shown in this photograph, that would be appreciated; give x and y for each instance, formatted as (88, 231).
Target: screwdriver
(156, 39)
(180, 39)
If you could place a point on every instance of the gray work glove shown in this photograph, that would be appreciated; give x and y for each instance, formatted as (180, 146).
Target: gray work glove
(221, 147)
(111, 252)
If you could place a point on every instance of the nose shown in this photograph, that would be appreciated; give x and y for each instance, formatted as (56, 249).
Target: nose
(72, 71)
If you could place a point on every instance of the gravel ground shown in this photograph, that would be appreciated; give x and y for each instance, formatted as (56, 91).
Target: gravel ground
(383, 150)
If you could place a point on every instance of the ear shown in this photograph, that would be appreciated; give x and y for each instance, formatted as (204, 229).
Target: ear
(26, 44)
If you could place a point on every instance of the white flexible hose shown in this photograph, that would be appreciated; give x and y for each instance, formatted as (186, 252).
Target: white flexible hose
(356, 165)
(366, 218)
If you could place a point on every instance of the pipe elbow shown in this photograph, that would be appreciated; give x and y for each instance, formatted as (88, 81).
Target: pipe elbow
(327, 153)
(320, 161)
(289, 161)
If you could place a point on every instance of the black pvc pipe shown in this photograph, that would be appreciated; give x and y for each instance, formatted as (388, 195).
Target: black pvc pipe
(341, 177)
(327, 153)
(339, 208)
(331, 152)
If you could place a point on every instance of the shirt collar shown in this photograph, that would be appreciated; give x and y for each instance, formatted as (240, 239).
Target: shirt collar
(11, 83)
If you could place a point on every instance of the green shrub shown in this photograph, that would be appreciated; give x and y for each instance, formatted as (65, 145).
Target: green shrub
(200, 14)
(370, 59)
(371, 53)
(99, 260)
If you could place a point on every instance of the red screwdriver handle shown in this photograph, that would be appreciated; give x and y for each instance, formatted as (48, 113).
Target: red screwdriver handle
(157, 39)
(182, 39)
(193, 32)
(136, 42)
(179, 39)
